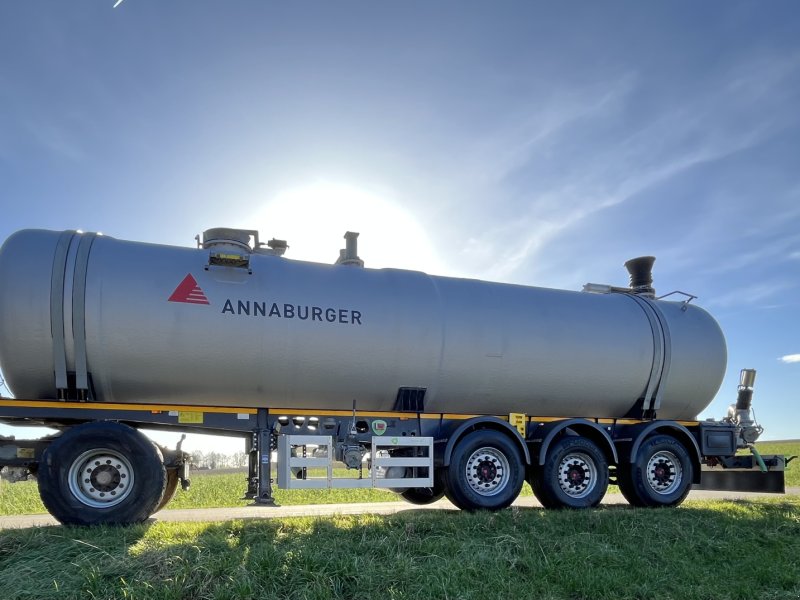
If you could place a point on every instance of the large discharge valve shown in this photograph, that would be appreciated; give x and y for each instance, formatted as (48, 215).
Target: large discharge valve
(741, 413)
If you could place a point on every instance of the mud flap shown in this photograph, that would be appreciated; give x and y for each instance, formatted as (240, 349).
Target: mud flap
(742, 480)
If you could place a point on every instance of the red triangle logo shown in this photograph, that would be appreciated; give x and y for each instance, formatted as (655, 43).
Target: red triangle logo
(188, 291)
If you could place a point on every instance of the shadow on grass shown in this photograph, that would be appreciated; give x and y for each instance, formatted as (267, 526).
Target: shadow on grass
(739, 549)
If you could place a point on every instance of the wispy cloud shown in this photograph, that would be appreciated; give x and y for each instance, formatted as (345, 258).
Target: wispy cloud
(538, 123)
(603, 184)
(751, 295)
(622, 159)
(790, 358)
(777, 249)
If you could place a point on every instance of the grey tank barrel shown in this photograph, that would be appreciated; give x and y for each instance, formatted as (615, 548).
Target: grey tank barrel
(147, 323)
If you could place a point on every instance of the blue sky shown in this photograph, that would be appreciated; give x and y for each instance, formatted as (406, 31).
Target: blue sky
(521, 142)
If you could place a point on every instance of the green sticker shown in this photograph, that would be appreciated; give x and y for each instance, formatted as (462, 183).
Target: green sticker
(379, 427)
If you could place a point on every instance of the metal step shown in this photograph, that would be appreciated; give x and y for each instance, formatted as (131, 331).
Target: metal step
(379, 460)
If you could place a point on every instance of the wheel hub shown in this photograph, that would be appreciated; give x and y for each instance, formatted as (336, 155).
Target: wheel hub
(105, 478)
(664, 472)
(100, 478)
(577, 475)
(487, 471)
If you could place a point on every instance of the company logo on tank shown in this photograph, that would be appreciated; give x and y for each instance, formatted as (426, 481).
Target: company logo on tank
(190, 292)
(304, 312)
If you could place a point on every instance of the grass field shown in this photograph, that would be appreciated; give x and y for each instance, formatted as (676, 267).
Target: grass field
(703, 550)
(209, 490)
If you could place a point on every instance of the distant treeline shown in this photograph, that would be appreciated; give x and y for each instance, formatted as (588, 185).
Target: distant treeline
(218, 460)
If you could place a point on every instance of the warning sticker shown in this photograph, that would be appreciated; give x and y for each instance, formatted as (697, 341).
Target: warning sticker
(190, 416)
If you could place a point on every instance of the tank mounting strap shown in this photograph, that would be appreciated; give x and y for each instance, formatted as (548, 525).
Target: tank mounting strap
(57, 309)
(79, 310)
(662, 355)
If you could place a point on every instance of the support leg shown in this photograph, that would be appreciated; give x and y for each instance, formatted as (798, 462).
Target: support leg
(263, 440)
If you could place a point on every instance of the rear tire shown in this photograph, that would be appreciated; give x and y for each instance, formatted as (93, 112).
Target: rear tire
(424, 496)
(101, 473)
(486, 471)
(574, 475)
(661, 474)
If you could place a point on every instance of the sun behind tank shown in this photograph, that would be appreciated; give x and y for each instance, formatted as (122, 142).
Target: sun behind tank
(234, 323)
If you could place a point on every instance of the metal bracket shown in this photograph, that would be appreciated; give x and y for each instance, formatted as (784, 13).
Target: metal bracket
(689, 298)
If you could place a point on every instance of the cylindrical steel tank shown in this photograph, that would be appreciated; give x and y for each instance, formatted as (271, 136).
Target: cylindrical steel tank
(160, 324)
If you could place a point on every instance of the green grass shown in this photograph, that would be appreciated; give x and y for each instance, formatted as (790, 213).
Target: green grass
(703, 550)
(226, 490)
(207, 491)
(20, 498)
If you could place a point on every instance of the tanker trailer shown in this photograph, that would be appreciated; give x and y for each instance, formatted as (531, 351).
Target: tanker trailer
(434, 385)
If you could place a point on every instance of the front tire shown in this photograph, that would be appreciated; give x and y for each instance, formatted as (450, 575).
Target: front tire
(486, 471)
(101, 473)
(661, 475)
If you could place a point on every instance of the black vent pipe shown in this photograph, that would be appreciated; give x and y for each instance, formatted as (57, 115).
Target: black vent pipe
(641, 272)
(747, 379)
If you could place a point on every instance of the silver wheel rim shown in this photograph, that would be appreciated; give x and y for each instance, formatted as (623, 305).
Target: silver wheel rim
(101, 478)
(664, 472)
(577, 475)
(487, 471)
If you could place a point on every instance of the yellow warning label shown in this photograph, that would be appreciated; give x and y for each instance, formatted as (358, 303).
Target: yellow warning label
(518, 420)
(25, 452)
(190, 416)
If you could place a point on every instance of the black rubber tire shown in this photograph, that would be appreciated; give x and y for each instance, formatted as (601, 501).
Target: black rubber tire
(458, 489)
(447, 493)
(634, 479)
(423, 496)
(625, 484)
(535, 480)
(170, 489)
(546, 480)
(145, 461)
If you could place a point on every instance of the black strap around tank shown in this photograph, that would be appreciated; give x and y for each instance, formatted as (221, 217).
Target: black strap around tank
(662, 380)
(79, 310)
(662, 355)
(57, 309)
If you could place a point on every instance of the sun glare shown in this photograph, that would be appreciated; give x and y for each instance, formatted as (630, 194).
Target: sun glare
(314, 218)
